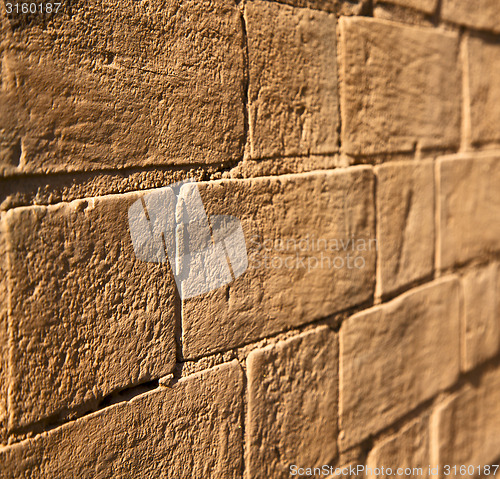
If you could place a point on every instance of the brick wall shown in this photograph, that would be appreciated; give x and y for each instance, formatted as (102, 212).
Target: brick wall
(328, 119)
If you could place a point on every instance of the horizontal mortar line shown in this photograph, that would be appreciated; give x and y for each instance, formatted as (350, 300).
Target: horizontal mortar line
(128, 170)
(385, 154)
(291, 156)
(464, 266)
(248, 179)
(387, 297)
(488, 35)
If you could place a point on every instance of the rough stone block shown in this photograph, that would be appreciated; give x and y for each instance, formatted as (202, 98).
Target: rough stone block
(397, 355)
(405, 224)
(400, 87)
(87, 318)
(479, 14)
(293, 106)
(468, 205)
(122, 84)
(481, 328)
(466, 427)
(483, 70)
(407, 453)
(302, 261)
(426, 6)
(292, 404)
(190, 430)
(4, 334)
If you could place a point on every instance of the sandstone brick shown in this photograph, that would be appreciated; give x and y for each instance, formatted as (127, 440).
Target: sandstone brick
(123, 84)
(190, 430)
(292, 404)
(483, 70)
(427, 6)
(469, 201)
(86, 317)
(293, 107)
(467, 426)
(400, 87)
(481, 328)
(406, 453)
(293, 276)
(4, 336)
(405, 223)
(397, 355)
(480, 14)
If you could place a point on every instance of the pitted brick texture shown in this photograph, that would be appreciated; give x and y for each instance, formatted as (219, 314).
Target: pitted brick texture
(83, 310)
(189, 430)
(123, 84)
(360, 158)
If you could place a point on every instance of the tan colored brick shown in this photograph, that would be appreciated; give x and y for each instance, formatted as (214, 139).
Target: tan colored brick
(467, 426)
(123, 84)
(86, 318)
(293, 106)
(405, 223)
(469, 201)
(427, 6)
(292, 279)
(484, 90)
(406, 453)
(397, 355)
(292, 404)
(400, 87)
(190, 430)
(481, 328)
(479, 14)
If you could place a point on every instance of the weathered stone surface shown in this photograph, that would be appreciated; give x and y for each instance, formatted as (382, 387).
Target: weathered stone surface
(293, 276)
(405, 223)
(122, 84)
(480, 14)
(427, 6)
(293, 106)
(481, 328)
(292, 404)
(407, 452)
(4, 336)
(469, 201)
(400, 87)
(466, 427)
(483, 69)
(397, 355)
(190, 430)
(86, 318)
